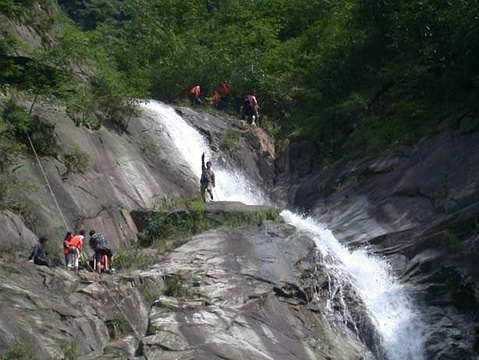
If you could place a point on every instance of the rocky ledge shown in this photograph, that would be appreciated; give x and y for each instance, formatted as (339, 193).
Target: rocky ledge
(230, 293)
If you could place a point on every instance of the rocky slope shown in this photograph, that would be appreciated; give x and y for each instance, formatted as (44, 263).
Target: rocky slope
(246, 293)
(419, 206)
(126, 171)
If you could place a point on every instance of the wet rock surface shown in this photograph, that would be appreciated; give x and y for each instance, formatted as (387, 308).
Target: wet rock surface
(253, 152)
(418, 206)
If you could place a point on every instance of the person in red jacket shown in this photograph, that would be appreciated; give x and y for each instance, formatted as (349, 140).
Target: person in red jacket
(224, 92)
(195, 92)
(67, 238)
(75, 245)
(217, 102)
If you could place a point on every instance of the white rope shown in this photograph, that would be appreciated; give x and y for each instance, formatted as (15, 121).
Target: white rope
(48, 183)
(137, 335)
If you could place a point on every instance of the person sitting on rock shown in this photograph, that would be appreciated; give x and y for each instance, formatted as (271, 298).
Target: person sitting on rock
(100, 246)
(207, 180)
(38, 255)
(75, 245)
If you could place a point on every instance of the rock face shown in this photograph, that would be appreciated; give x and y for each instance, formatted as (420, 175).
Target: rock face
(126, 171)
(244, 301)
(253, 151)
(52, 313)
(246, 293)
(418, 206)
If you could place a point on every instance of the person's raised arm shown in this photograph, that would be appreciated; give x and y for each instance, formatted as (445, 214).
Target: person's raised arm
(203, 161)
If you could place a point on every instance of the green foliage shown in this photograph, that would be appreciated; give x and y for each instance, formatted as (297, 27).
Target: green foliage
(167, 229)
(176, 286)
(117, 328)
(69, 349)
(357, 77)
(148, 294)
(76, 161)
(20, 351)
(242, 218)
(14, 197)
(230, 141)
(134, 258)
(180, 218)
(448, 238)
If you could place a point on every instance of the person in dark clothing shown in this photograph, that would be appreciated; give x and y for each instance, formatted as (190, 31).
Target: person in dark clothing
(38, 255)
(100, 246)
(207, 180)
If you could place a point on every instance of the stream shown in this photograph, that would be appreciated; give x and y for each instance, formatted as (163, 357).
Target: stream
(393, 313)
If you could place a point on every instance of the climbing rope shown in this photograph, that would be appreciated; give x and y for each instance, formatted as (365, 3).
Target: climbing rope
(48, 182)
(137, 335)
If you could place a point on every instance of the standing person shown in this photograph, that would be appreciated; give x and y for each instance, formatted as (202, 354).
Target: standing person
(216, 97)
(68, 236)
(254, 107)
(38, 255)
(195, 92)
(207, 180)
(224, 92)
(99, 244)
(75, 245)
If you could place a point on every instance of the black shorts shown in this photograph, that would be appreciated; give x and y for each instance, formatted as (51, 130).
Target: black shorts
(102, 251)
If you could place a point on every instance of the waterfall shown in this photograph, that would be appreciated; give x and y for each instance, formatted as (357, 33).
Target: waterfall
(388, 305)
(231, 184)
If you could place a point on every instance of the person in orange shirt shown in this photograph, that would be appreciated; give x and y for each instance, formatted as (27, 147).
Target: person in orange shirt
(224, 92)
(195, 92)
(75, 245)
(216, 99)
(67, 238)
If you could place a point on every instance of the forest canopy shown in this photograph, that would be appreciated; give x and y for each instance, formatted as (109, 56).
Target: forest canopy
(356, 76)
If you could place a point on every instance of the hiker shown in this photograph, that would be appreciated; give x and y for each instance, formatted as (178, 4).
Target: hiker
(68, 236)
(216, 97)
(224, 93)
(207, 180)
(249, 109)
(253, 102)
(75, 245)
(38, 255)
(99, 244)
(195, 92)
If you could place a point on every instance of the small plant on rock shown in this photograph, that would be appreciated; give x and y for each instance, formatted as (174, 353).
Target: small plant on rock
(175, 286)
(117, 328)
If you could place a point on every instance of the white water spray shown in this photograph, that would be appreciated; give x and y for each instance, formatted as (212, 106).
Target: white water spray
(387, 303)
(231, 184)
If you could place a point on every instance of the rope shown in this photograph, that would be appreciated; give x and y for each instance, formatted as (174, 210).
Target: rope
(48, 183)
(138, 337)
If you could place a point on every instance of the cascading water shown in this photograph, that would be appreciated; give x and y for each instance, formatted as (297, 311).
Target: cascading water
(232, 185)
(387, 303)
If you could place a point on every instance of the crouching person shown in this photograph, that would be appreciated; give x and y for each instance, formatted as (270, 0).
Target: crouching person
(38, 255)
(100, 246)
